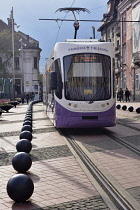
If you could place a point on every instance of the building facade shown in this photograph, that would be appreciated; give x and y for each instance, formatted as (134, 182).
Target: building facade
(25, 75)
(119, 27)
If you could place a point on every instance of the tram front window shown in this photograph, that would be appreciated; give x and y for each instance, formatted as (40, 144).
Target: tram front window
(87, 77)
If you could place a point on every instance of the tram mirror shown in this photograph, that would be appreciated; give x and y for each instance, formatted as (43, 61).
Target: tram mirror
(53, 80)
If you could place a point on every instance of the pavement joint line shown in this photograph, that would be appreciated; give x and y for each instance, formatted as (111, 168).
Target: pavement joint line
(17, 133)
(13, 133)
(46, 118)
(94, 202)
(17, 121)
(38, 154)
(9, 122)
(12, 113)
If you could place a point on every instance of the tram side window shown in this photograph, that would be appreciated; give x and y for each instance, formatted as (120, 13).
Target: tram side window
(58, 91)
(113, 78)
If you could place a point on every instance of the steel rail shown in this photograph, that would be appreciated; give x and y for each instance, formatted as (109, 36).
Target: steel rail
(97, 174)
(122, 142)
(129, 126)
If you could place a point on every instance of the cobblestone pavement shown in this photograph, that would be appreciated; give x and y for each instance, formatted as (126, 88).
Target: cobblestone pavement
(59, 181)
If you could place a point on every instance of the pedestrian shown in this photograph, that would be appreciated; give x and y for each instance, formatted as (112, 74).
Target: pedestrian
(127, 95)
(32, 96)
(27, 98)
(22, 98)
(121, 94)
(118, 95)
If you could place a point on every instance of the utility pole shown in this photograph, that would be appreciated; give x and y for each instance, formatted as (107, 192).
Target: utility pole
(22, 66)
(22, 70)
(13, 50)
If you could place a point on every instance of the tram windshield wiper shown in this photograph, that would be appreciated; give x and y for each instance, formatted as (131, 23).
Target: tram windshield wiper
(96, 96)
(100, 94)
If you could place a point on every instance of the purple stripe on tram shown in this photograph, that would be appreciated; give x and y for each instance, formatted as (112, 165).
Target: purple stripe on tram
(68, 119)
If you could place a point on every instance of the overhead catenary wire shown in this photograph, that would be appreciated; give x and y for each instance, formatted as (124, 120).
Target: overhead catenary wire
(108, 21)
(59, 26)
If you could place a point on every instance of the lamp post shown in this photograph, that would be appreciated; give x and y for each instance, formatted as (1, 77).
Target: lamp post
(22, 69)
(134, 84)
(13, 50)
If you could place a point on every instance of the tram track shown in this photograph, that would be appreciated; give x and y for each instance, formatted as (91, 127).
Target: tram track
(122, 142)
(121, 198)
(128, 126)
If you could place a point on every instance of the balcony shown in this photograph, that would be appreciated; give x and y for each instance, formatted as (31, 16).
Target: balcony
(137, 62)
(117, 72)
(117, 51)
(136, 58)
(118, 31)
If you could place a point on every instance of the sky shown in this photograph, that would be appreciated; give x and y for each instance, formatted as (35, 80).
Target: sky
(28, 12)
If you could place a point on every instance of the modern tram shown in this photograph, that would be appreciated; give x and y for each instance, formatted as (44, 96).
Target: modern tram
(78, 86)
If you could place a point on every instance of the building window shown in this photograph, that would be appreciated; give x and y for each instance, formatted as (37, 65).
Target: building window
(113, 32)
(137, 81)
(0, 60)
(118, 43)
(18, 86)
(35, 62)
(124, 54)
(16, 62)
(124, 82)
(108, 35)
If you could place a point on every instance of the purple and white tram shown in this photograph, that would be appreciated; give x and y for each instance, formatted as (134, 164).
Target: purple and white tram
(79, 90)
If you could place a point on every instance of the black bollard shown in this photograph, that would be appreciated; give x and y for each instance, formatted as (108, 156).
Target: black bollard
(20, 188)
(124, 107)
(22, 162)
(28, 118)
(27, 122)
(27, 128)
(118, 106)
(24, 145)
(26, 135)
(131, 109)
(138, 110)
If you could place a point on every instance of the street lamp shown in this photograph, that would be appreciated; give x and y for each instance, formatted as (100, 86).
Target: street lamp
(13, 49)
(22, 69)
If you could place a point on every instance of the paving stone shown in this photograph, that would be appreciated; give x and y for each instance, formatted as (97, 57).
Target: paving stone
(39, 154)
(90, 203)
(101, 145)
(133, 139)
(50, 152)
(135, 192)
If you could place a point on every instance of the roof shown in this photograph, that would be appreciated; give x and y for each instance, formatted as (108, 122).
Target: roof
(110, 15)
(30, 43)
(3, 26)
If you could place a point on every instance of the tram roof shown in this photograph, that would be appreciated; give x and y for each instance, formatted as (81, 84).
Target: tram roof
(81, 40)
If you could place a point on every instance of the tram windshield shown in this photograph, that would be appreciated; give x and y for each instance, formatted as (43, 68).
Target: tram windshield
(87, 77)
